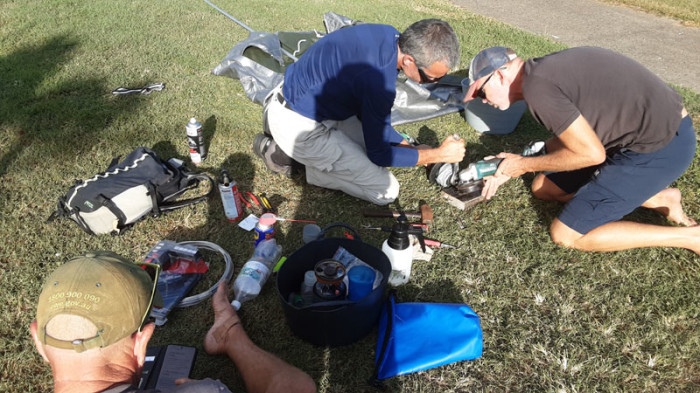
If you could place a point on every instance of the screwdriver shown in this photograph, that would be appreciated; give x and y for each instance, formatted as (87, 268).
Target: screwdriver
(438, 244)
(265, 203)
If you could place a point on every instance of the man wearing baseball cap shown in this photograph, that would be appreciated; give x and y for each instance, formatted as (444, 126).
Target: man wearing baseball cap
(92, 326)
(621, 137)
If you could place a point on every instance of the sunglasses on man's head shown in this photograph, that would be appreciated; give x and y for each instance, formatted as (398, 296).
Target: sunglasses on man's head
(481, 93)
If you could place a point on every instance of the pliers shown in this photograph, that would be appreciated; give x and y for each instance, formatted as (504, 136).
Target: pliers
(255, 207)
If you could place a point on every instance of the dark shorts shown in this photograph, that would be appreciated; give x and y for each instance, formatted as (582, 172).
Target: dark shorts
(607, 192)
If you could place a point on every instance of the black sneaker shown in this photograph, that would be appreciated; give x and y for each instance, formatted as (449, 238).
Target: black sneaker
(264, 147)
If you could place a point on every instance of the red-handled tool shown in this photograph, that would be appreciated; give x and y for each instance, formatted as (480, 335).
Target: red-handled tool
(438, 244)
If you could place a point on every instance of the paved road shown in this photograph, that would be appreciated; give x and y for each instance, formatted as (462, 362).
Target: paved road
(669, 49)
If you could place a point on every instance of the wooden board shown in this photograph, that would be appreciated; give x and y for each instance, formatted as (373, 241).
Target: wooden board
(459, 200)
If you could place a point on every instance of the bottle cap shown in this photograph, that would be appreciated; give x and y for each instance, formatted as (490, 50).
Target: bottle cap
(236, 305)
(311, 232)
(268, 219)
(398, 239)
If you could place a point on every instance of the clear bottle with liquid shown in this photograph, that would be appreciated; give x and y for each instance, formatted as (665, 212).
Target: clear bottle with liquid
(307, 288)
(255, 272)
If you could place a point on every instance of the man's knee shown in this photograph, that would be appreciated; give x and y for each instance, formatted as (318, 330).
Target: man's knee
(563, 235)
(385, 195)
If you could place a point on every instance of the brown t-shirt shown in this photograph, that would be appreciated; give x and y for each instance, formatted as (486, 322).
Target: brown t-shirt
(626, 104)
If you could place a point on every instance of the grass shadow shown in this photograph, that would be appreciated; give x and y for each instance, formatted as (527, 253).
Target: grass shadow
(64, 118)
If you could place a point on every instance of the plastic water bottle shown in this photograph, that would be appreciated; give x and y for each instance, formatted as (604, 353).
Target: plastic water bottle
(255, 272)
(307, 288)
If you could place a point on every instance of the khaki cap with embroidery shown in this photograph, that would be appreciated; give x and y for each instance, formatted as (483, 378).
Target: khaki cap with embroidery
(93, 301)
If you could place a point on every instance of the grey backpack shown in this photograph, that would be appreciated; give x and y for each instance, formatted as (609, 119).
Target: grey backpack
(127, 191)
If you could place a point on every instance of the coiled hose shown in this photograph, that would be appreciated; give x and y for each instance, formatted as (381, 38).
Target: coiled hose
(225, 277)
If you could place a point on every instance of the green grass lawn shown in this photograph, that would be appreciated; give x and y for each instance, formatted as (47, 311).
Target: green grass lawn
(686, 11)
(554, 320)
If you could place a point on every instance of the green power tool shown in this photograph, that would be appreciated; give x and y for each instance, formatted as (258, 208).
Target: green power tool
(463, 188)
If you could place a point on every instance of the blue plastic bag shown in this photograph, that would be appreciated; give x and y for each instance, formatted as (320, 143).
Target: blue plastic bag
(419, 336)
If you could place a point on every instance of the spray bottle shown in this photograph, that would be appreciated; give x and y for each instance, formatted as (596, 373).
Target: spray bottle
(195, 141)
(228, 189)
(400, 252)
(255, 272)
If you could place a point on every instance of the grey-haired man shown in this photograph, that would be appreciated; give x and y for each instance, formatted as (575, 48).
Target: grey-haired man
(621, 137)
(92, 327)
(333, 112)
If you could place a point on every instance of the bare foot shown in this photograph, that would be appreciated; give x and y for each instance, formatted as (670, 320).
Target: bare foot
(668, 203)
(225, 319)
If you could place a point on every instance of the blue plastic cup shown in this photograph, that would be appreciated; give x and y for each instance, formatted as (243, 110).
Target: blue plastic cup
(360, 280)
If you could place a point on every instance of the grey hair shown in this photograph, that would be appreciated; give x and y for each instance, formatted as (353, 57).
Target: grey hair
(429, 41)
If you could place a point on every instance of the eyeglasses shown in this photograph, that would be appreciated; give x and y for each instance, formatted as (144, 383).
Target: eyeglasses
(481, 93)
(153, 270)
(425, 78)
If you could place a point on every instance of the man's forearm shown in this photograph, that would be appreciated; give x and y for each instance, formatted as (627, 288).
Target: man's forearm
(559, 160)
(575, 148)
(428, 156)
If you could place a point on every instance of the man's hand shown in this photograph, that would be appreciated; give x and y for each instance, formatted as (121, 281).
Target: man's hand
(491, 184)
(511, 165)
(452, 149)
(508, 168)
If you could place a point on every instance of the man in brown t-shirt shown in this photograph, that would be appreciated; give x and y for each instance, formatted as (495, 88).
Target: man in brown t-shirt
(621, 137)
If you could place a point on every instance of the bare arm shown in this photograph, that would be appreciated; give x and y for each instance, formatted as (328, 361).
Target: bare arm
(577, 147)
(451, 150)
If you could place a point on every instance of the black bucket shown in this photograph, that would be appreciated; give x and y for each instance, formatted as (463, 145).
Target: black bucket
(332, 323)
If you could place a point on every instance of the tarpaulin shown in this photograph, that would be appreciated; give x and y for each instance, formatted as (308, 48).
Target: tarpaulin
(259, 63)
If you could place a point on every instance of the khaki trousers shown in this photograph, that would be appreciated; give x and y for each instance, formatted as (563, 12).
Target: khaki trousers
(333, 152)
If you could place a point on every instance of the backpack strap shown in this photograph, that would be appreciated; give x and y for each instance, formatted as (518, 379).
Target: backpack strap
(193, 180)
(81, 223)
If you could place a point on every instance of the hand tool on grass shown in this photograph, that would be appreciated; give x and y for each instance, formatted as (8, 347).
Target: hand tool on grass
(439, 244)
(289, 219)
(425, 214)
(267, 208)
(145, 90)
(251, 204)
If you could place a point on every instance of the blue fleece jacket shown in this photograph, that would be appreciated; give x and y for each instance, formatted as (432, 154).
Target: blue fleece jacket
(352, 71)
